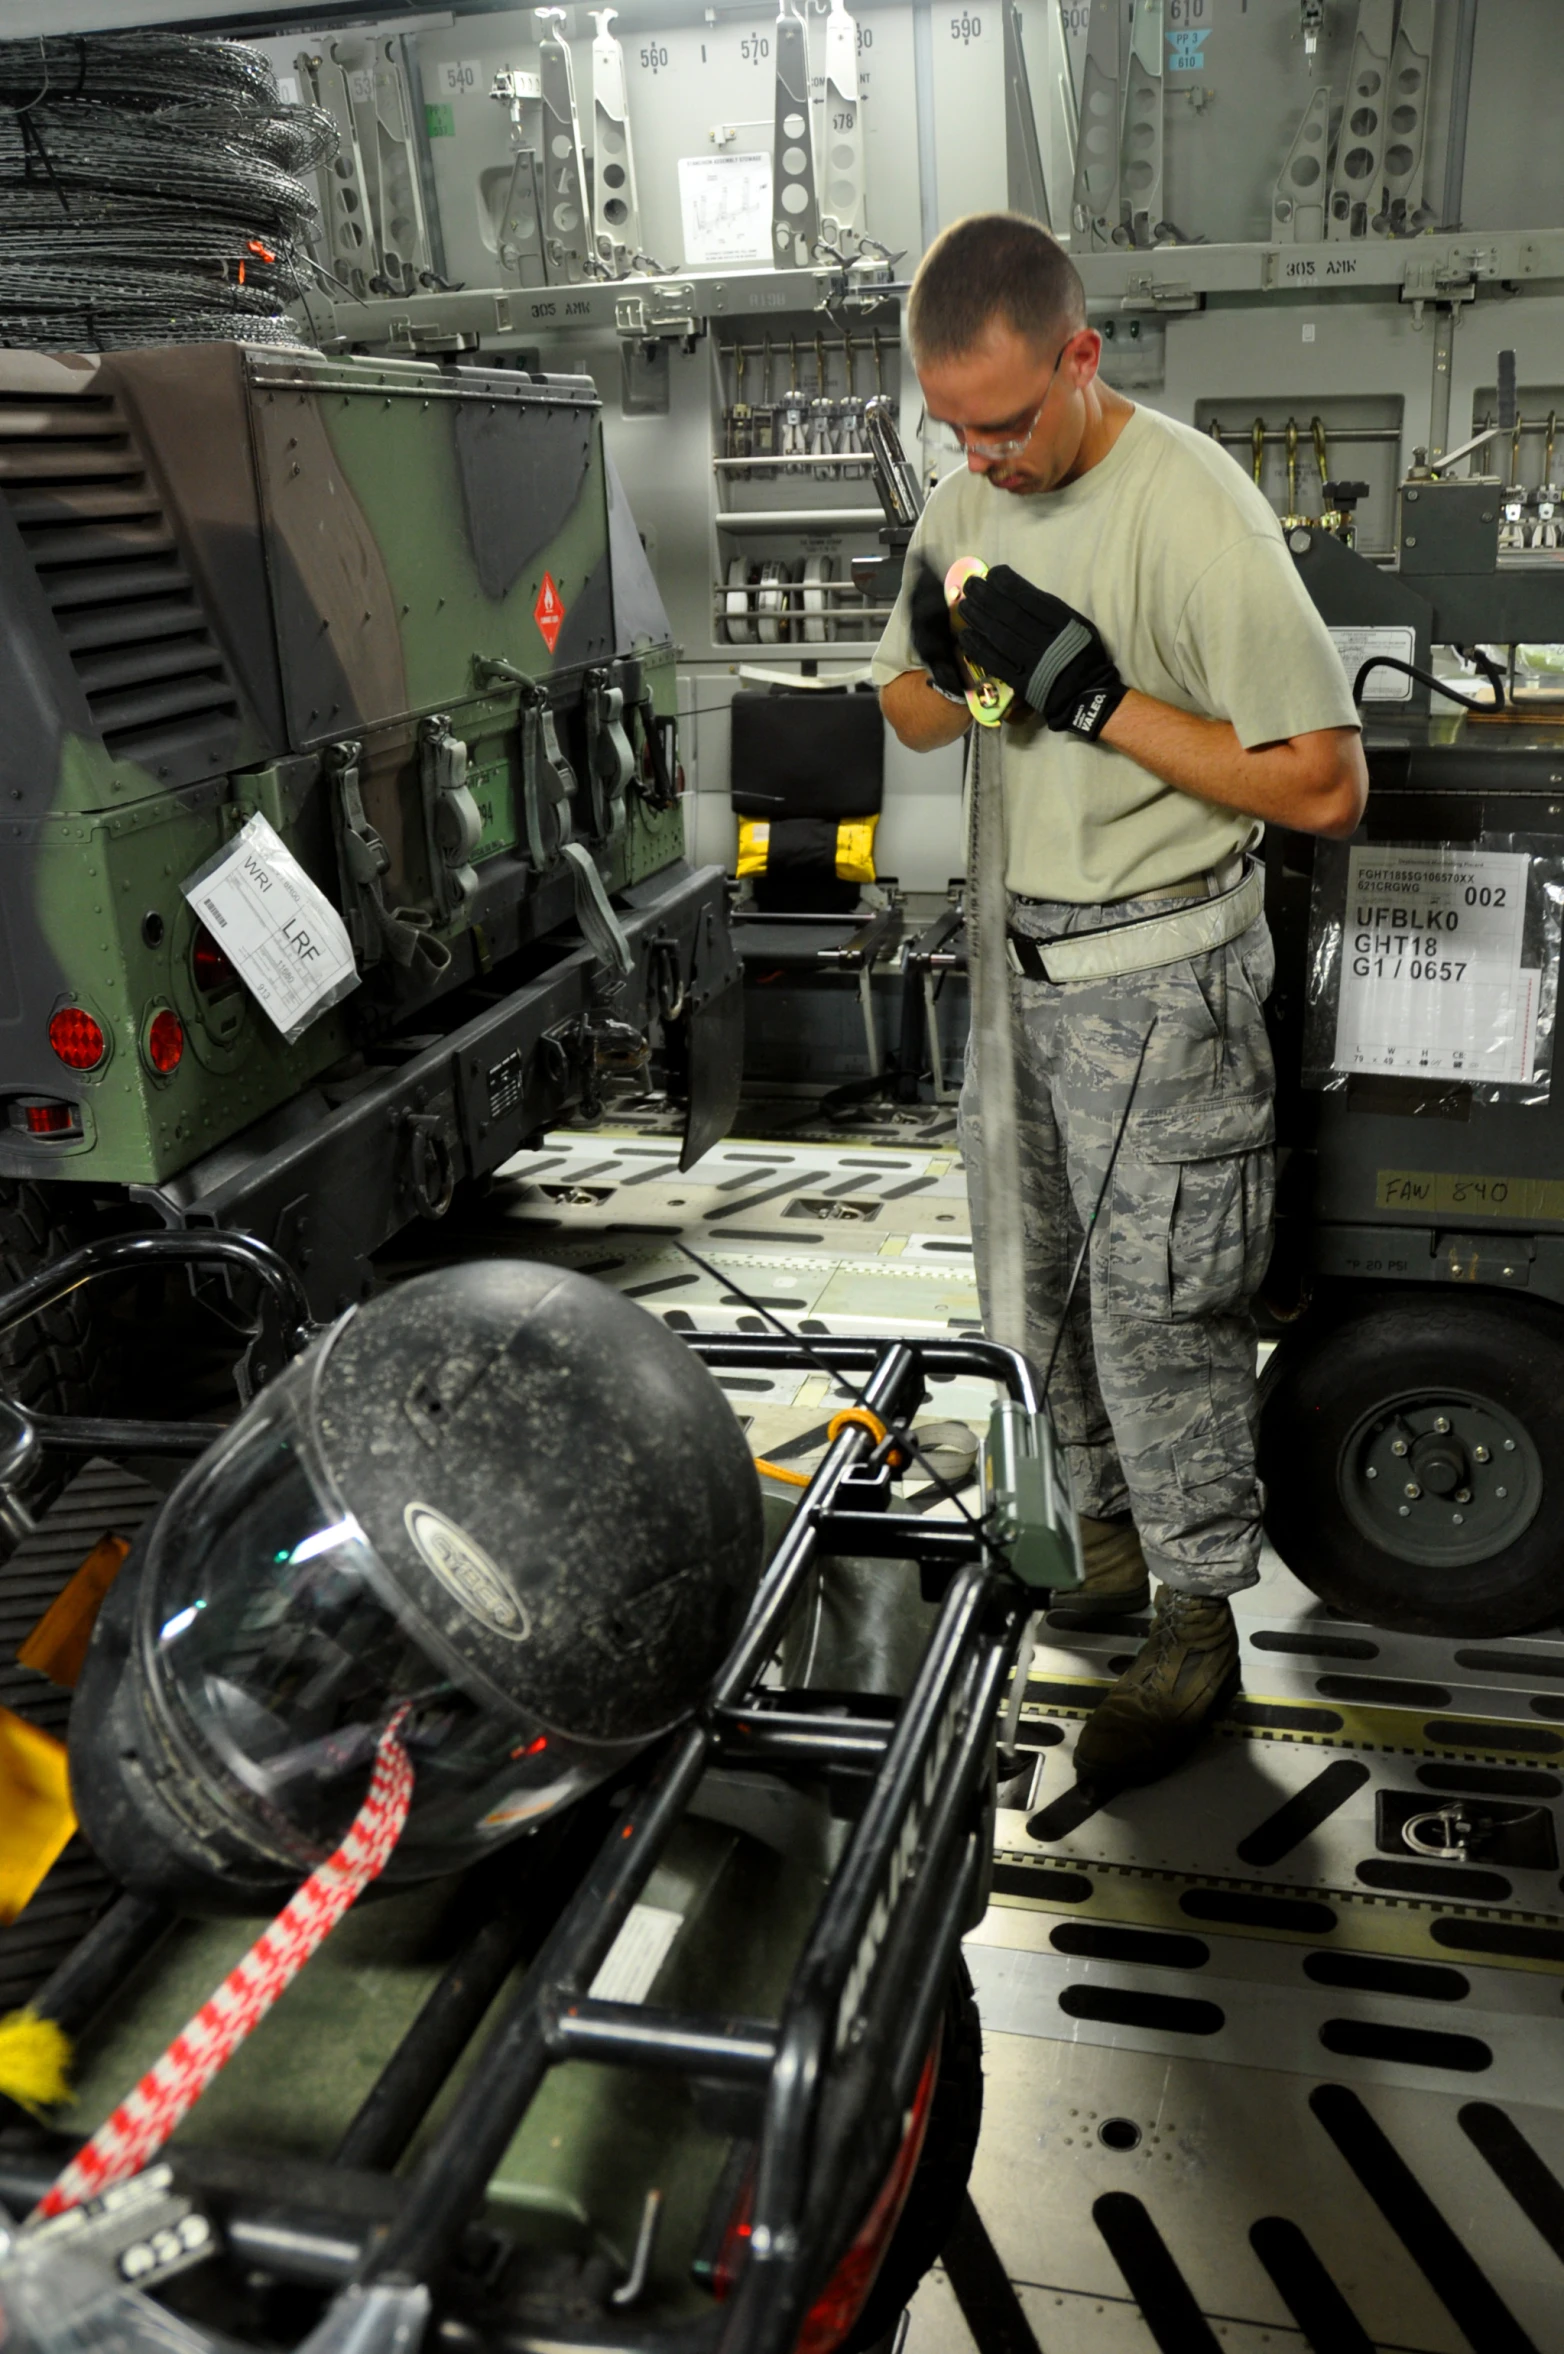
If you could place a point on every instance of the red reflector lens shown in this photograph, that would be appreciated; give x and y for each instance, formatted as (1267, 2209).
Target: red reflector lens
(165, 1041)
(832, 2315)
(77, 1039)
(830, 2319)
(49, 1119)
(209, 967)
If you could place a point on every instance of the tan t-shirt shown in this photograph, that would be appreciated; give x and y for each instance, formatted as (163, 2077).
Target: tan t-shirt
(1178, 559)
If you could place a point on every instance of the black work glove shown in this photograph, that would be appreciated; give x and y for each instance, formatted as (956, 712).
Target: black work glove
(934, 641)
(1042, 647)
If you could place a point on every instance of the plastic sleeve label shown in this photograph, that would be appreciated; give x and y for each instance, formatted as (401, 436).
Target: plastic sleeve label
(280, 932)
(1432, 982)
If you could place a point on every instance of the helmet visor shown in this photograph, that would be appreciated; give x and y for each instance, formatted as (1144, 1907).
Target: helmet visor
(277, 1650)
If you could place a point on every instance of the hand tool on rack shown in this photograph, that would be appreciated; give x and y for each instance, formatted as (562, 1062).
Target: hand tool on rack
(740, 417)
(894, 480)
(850, 439)
(822, 417)
(1546, 532)
(796, 213)
(1292, 516)
(1257, 447)
(1512, 530)
(793, 439)
(1321, 458)
(763, 423)
(616, 211)
(567, 241)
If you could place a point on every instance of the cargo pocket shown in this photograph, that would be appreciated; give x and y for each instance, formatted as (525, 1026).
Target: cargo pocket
(1190, 1218)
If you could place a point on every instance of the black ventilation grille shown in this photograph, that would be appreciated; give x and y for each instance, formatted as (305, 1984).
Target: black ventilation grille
(128, 612)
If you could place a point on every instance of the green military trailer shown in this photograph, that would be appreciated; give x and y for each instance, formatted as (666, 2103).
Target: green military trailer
(391, 623)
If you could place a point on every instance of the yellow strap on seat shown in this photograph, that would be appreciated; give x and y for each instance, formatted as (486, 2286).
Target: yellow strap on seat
(855, 849)
(754, 846)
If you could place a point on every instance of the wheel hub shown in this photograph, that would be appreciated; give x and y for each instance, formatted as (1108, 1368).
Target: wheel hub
(1440, 1477)
(1439, 1464)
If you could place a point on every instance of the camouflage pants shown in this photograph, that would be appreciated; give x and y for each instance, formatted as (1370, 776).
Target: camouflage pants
(1153, 1392)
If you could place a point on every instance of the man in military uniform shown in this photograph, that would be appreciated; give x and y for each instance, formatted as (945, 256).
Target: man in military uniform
(1174, 689)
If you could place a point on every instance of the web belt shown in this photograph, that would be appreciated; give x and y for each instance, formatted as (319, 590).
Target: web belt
(1145, 941)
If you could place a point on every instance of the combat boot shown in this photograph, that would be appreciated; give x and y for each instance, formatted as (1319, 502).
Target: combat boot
(1117, 1579)
(1185, 1673)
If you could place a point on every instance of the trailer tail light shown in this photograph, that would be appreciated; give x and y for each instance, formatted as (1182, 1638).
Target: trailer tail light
(43, 1115)
(212, 971)
(77, 1039)
(846, 2293)
(165, 1041)
(832, 2315)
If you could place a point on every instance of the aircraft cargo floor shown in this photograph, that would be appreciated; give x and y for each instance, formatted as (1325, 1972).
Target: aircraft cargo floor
(1258, 2076)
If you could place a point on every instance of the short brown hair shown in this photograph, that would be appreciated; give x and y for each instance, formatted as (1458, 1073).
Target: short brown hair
(991, 266)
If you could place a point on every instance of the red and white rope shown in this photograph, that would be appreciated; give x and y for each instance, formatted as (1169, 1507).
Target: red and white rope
(172, 2085)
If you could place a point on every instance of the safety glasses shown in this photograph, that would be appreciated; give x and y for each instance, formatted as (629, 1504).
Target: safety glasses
(959, 439)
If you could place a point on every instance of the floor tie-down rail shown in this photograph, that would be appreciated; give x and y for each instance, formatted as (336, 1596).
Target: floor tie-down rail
(832, 2079)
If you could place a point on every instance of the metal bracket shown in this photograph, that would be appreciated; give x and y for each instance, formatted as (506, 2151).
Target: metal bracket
(454, 818)
(616, 211)
(1026, 187)
(1140, 157)
(666, 308)
(654, 779)
(1145, 292)
(796, 213)
(375, 929)
(547, 783)
(1406, 213)
(1355, 209)
(841, 221)
(610, 759)
(567, 237)
(1451, 280)
(1094, 203)
(1298, 199)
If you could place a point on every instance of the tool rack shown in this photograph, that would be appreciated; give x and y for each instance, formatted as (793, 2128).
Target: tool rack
(793, 482)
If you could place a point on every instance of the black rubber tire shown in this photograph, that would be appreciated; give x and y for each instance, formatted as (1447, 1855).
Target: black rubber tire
(949, 2147)
(1336, 1367)
(50, 1362)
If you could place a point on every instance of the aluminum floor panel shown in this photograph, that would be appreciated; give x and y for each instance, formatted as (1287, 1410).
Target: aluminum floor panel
(1331, 2071)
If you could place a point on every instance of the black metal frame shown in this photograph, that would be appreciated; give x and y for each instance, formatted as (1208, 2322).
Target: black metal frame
(831, 2083)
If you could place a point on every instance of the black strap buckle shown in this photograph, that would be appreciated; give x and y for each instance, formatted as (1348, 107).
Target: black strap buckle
(1027, 955)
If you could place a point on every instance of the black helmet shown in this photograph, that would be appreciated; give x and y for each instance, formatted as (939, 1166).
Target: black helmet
(500, 1496)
